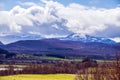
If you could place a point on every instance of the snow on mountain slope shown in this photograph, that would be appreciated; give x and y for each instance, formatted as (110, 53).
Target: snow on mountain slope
(87, 38)
(72, 37)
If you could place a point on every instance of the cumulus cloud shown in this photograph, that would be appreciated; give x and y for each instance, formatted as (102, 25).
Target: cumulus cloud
(54, 19)
(7, 23)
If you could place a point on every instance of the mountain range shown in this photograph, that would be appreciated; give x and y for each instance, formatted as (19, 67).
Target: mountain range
(71, 37)
(74, 45)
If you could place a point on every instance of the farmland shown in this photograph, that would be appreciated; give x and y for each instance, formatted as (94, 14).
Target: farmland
(87, 69)
(39, 77)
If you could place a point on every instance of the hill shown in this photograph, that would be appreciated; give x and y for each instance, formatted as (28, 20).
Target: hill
(2, 51)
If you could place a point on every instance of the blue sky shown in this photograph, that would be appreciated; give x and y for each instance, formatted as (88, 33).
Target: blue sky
(8, 4)
(95, 3)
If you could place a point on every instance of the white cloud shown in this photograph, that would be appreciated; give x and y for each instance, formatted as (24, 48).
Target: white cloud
(56, 19)
(54, 36)
(7, 23)
(88, 20)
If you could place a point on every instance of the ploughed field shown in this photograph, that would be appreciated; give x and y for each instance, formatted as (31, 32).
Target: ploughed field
(39, 77)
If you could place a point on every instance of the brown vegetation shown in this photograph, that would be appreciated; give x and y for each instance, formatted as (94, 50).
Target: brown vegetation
(68, 67)
(104, 71)
(86, 70)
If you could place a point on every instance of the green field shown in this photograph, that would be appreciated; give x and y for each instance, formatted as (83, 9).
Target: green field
(39, 77)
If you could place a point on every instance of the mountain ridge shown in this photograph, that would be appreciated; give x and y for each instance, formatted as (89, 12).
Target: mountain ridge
(73, 45)
(71, 37)
(88, 38)
(62, 47)
(1, 43)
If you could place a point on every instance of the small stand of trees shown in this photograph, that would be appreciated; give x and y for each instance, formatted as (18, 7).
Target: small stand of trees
(68, 67)
(103, 71)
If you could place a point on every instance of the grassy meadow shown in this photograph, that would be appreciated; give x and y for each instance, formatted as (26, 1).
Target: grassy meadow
(39, 77)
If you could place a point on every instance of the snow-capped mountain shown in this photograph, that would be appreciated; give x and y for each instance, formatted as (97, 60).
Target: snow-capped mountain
(72, 37)
(1, 43)
(87, 38)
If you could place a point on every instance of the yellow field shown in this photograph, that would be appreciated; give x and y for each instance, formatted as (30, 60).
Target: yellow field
(39, 77)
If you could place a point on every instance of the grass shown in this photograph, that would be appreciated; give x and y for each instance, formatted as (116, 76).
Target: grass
(57, 58)
(39, 77)
(5, 65)
(71, 59)
(51, 58)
